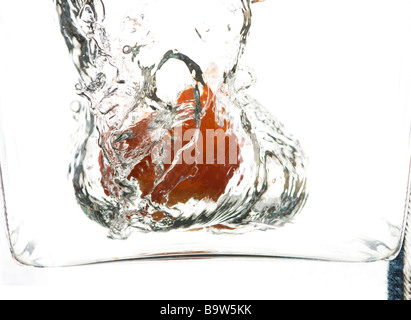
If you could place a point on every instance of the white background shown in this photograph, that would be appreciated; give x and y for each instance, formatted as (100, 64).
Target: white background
(226, 279)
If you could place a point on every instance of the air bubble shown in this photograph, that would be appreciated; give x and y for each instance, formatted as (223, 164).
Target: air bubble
(127, 49)
(87, 14)
(75, 106)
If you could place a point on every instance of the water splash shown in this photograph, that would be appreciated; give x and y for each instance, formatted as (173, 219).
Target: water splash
(169, 138)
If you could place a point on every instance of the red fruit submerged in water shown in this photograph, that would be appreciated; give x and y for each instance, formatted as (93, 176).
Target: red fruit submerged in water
(179, 182)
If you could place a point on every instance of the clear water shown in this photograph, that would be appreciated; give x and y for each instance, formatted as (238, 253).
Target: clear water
(168, 138)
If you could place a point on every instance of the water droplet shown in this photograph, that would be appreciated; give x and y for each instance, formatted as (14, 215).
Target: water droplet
(245, 78)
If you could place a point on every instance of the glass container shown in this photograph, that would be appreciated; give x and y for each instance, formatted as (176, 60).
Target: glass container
(182, 129)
